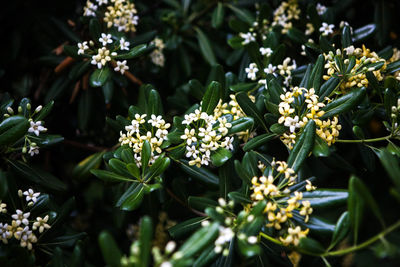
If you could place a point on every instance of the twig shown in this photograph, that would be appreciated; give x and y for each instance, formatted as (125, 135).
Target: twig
(64, 64)
(128, 75)
(185, 204)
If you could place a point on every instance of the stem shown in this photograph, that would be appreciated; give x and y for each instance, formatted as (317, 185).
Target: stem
(364, 244)
(273, 240)
(385, 138)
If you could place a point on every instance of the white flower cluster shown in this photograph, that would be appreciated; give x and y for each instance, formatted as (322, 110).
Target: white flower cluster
(154, 130)
(157, 56)
(19, 227)
(285, 13)
(205, 133)
(121, 14)
(103, 55)
(285, 69)
(228, 230)
(326, 28)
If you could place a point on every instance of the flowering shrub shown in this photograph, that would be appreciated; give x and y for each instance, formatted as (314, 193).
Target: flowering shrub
(205, 133)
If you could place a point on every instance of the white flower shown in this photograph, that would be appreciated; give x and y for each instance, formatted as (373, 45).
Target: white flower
(101, 2)
(326, 28)
(105, 39)
(266, 51)
(33, 150)
(121, 67)
(252, 239)
(41, 224)
(292, 123)
(102, 57)
(36, 128)
(82, 47)
(4, 233)
(124, 45)
(3, 207)
(252, 71)
(157, 57)
(247, 37)
(90, 9)
(31, 195)
(21, 217)
(191, 151)
(320, 9)
(350, 50)
(270, 69)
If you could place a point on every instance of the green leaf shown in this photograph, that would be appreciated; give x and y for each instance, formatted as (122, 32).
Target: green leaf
(108, 91)
(99, 77)
(242, 14)
(241, 124)
(303, 147)
(316, 74)
(239, 198)
(108, 176)
(111, 253)
(95, 28)
(82, 169)
(205, 47)
(242, 173)
(296, 35)
(326, 198)
(243, 87)
(37, 175)
(355, 206)
(393, 67)
(199, 240)
(218, 16)
(278, 128)
(311, 245)
(258, 141)
(157, 168)
(321, 148)
(328, 87)
(341, 229)
(201, 203)
(211, 97)
(202, 174)
(344, 103)
(364, 32)
(45, 111)
(145, 240)
(181, 229)
(250, 109)
(134, 52)
(132, 198)
(145, 154)
(71, 51)
(391, 165)
(220, 156)
(12, 129)
(346, 37)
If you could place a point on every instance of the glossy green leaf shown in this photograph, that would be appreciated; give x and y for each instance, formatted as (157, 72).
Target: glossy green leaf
(218, 15)
(346, 37)
(242, 14)
(342, 228)
(82, 169)
(202, 174)
(12, 129)
(132, 198)
(328, 87)
(303, 146)
(111, 253)
(199, 240)
(186, 227)
(145, 240)
(243, 87)
(364, 32)
(241, 124)
(108, 176)
(99, 77)
(250, 108)
(391, 165)
(326, 198)
(258, 141)
(211, 97)
(220, 156)
(344, 103)
(321, 148)
(95, 28)
(316, 74)
(355, 206)
(134, 52)
(145, 154)
(311, 245)
(205, 47)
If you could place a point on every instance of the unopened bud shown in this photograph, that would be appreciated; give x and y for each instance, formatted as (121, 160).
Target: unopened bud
(24, 149)
(38, 109)
(20, 193)
(19, 109)
(28, 106)
(10, 110)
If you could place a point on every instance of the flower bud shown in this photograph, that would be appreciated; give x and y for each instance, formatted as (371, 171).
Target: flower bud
(38, 109)
(28, 106)
(10, 110)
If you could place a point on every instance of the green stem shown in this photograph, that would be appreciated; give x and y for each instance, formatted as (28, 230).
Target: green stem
(385, 138)
(364, 244)
(276, 241)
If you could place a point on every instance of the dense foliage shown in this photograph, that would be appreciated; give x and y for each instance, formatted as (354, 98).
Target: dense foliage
(200, 133)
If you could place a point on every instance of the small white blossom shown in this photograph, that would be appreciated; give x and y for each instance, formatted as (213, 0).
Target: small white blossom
(105, 39)
(252, 71)
(247, 38)
(82, 47)
(124, 45)
(102, 57)
(41, 224)
(292, 123)
(320, 9)
(121, 67)
(21, 217)
(102, 2)
(31, 195)
(270, 69)
(36, 128)
(326, 28)
(266, 51)
(33, 150)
